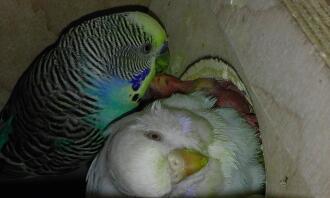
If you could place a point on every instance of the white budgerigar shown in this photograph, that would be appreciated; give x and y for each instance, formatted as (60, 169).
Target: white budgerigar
(179, 147)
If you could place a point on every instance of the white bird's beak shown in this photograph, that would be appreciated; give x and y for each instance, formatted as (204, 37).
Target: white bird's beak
(185, 162)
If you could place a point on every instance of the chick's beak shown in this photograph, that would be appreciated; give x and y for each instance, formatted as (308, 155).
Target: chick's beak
(185, 162)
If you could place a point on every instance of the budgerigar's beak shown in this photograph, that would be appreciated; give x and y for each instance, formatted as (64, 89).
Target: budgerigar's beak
(185, 162)
(164, 48)
(163, 58)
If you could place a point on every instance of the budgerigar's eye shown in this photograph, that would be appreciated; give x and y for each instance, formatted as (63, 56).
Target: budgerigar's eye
(153, 135)
(146, 49)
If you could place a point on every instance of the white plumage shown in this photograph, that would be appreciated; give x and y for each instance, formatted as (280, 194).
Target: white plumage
(138, 159)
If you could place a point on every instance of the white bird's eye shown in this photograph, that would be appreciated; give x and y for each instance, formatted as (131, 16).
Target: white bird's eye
(146, 49)
(153, 135)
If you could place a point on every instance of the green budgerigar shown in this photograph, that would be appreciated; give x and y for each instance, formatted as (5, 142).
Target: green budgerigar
(179, 147)
(98, 70)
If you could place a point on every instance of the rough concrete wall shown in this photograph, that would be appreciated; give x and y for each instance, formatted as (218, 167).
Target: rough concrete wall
(28, 26)
(288, 80)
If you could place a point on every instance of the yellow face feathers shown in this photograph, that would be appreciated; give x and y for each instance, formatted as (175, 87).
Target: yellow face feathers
(151, 26)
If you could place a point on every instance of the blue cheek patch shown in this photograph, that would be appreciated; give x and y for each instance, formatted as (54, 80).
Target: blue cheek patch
(138, 79)
(136, 85)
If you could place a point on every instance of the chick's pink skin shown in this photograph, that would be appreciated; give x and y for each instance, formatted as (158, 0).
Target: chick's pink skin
(226, 93)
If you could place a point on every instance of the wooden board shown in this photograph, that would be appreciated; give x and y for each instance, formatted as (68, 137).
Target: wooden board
(288, 81)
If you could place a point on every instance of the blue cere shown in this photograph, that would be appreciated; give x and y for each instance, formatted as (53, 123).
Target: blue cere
(138, 78)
